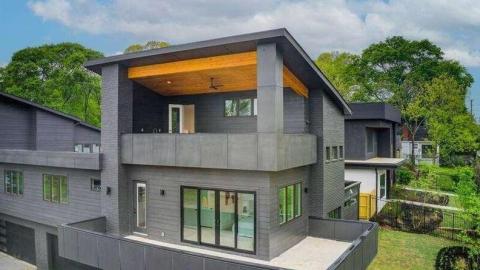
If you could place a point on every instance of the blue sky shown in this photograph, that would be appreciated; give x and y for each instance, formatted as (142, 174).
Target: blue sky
(110, 26)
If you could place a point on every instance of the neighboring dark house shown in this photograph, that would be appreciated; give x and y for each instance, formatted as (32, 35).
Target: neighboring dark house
(215, 156)
(45, 183)
(371, 152)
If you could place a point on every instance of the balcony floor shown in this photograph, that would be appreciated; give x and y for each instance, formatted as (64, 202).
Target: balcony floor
(310, 253)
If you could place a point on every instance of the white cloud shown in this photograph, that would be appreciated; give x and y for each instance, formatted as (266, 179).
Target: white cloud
(317, 25)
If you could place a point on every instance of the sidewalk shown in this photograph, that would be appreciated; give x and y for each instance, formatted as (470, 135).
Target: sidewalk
(8, 262)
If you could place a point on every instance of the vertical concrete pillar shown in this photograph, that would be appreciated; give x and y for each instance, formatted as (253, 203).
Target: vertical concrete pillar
(41, 249)
(117, 95)
(269, 89)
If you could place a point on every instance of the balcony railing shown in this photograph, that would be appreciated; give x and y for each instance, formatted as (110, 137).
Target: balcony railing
(250, 151)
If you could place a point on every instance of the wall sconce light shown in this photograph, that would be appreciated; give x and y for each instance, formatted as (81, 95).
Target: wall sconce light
(305, 190)
(109, 190)
(162, 192)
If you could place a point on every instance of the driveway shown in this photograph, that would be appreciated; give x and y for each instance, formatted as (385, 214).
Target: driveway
(8, 262)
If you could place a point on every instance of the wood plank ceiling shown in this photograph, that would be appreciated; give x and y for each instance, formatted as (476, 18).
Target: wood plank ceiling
(225, 73)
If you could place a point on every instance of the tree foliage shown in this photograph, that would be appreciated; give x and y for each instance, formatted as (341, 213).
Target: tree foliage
(469, 197)
(54, 76)
(153, 44)
(337, 68)
(400, 72)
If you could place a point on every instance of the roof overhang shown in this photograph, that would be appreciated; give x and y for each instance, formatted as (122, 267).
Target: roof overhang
(376, 162)
(294, 57)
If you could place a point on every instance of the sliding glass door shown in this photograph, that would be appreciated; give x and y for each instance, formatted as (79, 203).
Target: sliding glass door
(219, 218)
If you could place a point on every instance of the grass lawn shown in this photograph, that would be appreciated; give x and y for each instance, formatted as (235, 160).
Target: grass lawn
(401, 250)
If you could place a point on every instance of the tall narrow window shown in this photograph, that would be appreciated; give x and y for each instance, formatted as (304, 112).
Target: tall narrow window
(225, 218)
(282, 209)
(335, 152)
(290, 202)
(370, 140)
(13, 182)
(383, 187)
(55, 188)
(340, 151)
(327, 153)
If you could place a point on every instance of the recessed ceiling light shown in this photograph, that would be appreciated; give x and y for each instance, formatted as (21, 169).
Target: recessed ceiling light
(169, 82)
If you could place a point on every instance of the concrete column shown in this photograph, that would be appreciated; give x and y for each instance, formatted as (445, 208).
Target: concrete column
(41, 249)
(117, 95)
(269, 89)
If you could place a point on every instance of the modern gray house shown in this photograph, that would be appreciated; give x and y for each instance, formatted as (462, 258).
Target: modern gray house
(219, 154)
(372, 152)
(50, 165)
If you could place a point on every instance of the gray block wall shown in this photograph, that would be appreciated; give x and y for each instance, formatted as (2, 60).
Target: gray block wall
(326, 178)
(117, 101)
(163, 212)
(286, 235)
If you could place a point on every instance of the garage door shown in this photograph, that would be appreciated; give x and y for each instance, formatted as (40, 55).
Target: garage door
(20, 242)
(59, 263)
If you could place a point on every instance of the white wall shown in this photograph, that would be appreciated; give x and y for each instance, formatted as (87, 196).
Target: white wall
(368, 178)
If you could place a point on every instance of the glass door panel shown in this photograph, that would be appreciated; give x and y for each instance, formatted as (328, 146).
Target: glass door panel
(207, 216)
(140, 208)
(246, 221)
(190, 214)
(227, 219)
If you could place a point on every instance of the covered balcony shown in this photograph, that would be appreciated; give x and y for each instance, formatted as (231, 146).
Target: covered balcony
(242, 110)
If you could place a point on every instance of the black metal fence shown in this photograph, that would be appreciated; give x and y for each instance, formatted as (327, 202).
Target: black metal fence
(421, 219)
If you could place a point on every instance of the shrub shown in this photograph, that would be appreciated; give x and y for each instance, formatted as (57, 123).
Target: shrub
(404, 176)
(446, 179)
(409, 217)
(420, 196)
(456, 257)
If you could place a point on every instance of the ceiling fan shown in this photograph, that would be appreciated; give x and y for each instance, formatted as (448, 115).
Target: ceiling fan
(213, 85)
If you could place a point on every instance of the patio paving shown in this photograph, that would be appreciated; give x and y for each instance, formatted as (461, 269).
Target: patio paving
(8, 262)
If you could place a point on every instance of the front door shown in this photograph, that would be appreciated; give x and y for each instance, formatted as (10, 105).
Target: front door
(175, 118)
(140, 207)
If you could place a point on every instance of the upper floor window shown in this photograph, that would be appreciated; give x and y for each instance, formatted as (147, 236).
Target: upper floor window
(289, 202)
(370, 140)
(241, 107)
(327, 153)
(13, 182)
(340, 151)
(87, 148)
(335, 152)
(95, 184)
(55, 188)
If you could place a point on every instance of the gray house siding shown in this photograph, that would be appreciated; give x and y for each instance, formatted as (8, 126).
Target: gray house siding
(83, 203)
(53, 133)
(284, 236)
(85, 135)
(334, 175)
(326, 178)
(356, 141)
(150, 111)
(17, 126)
(163, 212)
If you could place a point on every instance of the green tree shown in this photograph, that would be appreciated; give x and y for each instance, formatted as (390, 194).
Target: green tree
(396, 71)
(338, 69)
(449, 123)
(54, 76)
(469, 197)
(147, 46)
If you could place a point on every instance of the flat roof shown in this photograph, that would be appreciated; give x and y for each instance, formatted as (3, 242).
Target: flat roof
(310, 253)
(44, 108)
(374, 111)
(294, 57)
(376, 162)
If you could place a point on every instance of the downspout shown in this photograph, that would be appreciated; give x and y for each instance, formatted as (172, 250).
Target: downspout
(376, 191)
